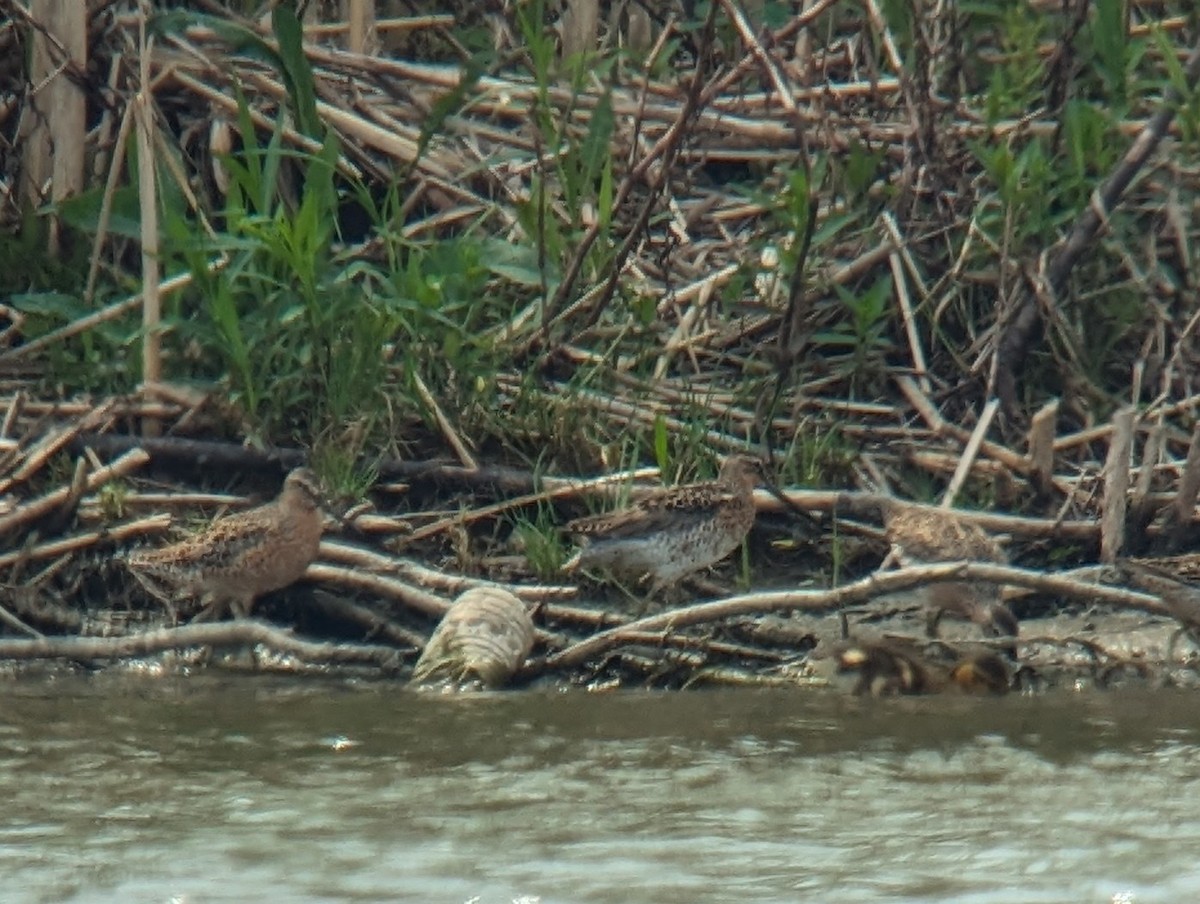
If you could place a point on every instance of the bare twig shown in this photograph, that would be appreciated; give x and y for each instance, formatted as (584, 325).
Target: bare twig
(858, 592)
(226, 634)
(43, 505)
(1116, 485)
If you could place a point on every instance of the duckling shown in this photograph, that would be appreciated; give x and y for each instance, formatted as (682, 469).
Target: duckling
(884, 668)
(981, 673)
(879, 668)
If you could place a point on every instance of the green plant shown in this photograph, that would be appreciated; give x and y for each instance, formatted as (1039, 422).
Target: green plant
(112, 497)
(47, 290)
(1188, 115)
(863, 335)
(1090, 143)
(1114, 54)
(337, 457)
(1015, 85)
(1026, 211)
(576, 172)
(683, 453)
(25, 267)
(541, 539)
(296, 332)
(817, 456)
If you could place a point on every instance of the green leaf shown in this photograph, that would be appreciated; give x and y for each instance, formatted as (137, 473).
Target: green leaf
(662, 453)
(243, 41)
(449, 103)
(296, 71)
(50, 304)
(861, 166)
(604, 199)
(645, 308)
(83, 211)
(597, 143)
(1111, 41)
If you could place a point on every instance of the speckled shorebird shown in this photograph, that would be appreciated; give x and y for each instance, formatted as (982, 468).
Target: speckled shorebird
(665, 536)
(1173, 580)
(1183, 568)
(921, 536)
(243, 555)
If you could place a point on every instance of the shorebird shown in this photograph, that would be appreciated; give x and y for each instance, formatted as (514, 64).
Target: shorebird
(925, 535)
(1183, 568)
(1173, 580)
(665, 536)
(240, 556)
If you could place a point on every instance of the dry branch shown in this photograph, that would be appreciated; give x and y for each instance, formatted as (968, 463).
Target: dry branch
(851, 594)
(692, 244)
(230, 634)
(38, 508)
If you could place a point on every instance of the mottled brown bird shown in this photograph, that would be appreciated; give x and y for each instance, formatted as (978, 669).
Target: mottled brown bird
(667, 535)
(243, 555)
(1173, 580)
(1159, 573)
(922, 536)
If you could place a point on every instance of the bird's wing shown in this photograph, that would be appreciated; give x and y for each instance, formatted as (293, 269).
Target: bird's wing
(665, 509)
(219, 546)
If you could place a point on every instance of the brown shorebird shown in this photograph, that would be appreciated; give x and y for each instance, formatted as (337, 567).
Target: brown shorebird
(924, 535)
(240, 556)
(665, 536)
(1183, 568)
(1173, 580)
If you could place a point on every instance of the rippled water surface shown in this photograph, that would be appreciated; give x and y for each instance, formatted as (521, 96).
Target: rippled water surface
(247, 789)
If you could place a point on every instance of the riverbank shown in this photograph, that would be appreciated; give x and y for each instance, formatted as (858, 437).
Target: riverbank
(389, 569)
(483, 277)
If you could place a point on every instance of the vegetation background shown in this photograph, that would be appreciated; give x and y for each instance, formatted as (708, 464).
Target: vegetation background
(579, 236)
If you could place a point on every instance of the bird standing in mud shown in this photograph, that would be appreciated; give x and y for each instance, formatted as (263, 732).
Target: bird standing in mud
(924, 535)
(243, 555)
(665, 536)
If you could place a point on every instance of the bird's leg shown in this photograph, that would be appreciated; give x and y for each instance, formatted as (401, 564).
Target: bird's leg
(158, 590)
(640, 601)
(657, 592)
(933, 618)
(211, 608)
(239, 607)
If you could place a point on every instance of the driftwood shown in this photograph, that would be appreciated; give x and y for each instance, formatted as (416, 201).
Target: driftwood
(1069, 492)
(395, 598)
(230, 634)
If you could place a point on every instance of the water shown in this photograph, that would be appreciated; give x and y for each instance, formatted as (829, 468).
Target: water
(239, 788)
